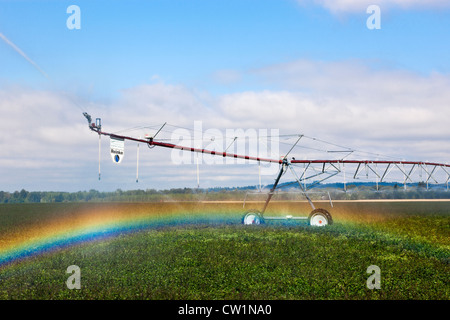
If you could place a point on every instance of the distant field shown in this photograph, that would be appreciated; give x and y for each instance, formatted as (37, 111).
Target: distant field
(199, 250)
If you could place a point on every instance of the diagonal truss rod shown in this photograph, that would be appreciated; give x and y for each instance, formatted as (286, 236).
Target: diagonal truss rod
(430, 174)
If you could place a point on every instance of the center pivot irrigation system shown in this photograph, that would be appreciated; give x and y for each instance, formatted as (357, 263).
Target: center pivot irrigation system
(312, 171)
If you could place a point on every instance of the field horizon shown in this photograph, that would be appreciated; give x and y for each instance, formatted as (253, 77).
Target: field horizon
(200, 250)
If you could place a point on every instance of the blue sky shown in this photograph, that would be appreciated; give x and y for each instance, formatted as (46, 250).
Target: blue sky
(124, 43)
(221, 55)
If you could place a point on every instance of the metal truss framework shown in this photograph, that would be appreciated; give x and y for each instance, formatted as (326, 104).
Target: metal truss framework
(316, 171)
(325, 169)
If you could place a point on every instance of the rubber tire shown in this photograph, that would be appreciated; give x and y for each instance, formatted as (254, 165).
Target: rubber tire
(323, 212)
(255, 212)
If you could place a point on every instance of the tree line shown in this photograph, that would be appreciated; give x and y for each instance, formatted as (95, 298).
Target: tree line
(219, 194)
(176, 194)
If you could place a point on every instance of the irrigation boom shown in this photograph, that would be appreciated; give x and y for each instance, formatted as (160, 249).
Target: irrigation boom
(328, 168)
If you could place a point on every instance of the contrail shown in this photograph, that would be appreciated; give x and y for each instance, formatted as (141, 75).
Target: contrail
(22, 54)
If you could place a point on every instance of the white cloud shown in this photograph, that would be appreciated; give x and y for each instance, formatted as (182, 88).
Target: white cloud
(343, 6)
(351, 103)
(32, 121)
(46, 144)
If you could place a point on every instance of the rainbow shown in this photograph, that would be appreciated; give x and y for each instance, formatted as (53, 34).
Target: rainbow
(96, 223)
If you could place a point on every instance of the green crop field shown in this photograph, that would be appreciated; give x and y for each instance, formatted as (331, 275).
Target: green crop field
(201, 251)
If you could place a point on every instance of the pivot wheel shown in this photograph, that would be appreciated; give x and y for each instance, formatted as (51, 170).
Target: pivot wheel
(252, 217)
(320, 218)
